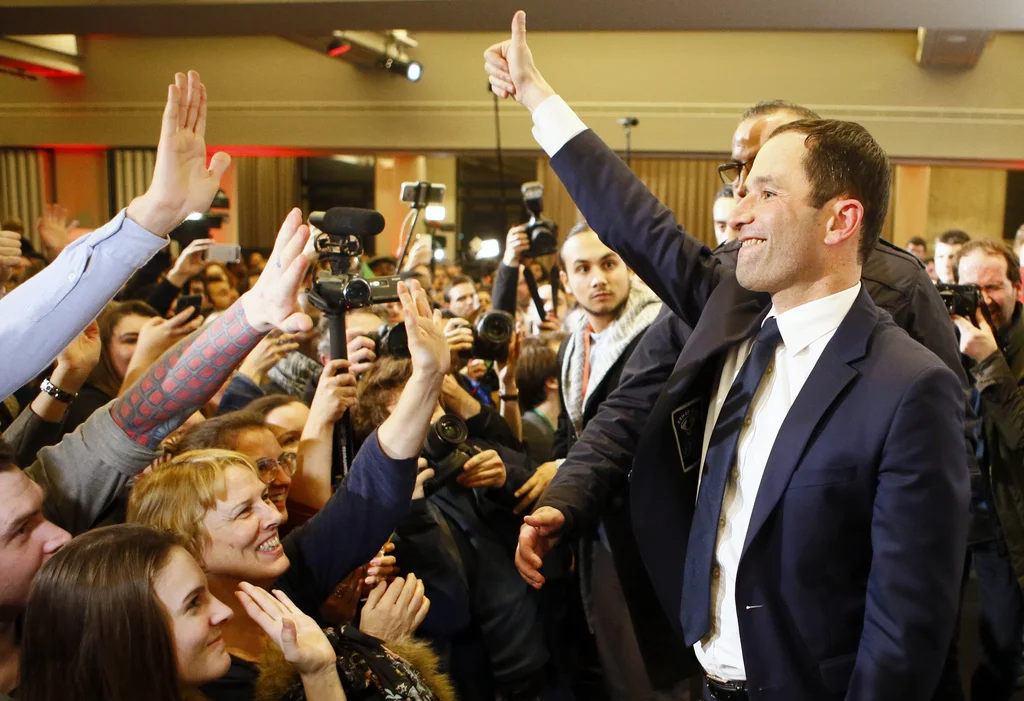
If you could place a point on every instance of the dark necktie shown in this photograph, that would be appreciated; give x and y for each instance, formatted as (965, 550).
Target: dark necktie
(720, 459)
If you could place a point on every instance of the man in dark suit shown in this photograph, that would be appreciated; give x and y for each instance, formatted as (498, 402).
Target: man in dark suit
(817, 551)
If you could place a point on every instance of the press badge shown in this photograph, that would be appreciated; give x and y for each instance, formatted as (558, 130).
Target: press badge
(686, 424)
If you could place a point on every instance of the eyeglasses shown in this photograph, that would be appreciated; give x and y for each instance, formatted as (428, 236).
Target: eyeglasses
(286, 463)
(730, 172)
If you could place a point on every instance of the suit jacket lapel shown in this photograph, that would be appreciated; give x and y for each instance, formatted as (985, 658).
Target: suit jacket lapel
(830, 376)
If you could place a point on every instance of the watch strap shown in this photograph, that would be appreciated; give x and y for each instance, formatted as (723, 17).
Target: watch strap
(56, 392)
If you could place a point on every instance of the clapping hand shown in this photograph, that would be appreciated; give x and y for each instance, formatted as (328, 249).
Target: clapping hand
(301, 640)
(273, 299)
(428, 347)
(394, 611)
(511, 70)
(182, 182)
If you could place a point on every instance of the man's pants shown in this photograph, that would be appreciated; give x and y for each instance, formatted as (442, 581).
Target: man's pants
(1001, 623)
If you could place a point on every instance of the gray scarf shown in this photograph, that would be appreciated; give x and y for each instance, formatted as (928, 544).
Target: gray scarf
(642, 306)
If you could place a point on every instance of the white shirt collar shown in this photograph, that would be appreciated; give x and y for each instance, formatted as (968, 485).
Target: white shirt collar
(801, 326)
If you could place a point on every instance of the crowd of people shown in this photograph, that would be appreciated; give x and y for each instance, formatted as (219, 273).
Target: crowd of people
(763, 471)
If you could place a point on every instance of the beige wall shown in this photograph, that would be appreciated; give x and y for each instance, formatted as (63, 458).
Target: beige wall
(80, 176)
(933, 199)
(686, 88)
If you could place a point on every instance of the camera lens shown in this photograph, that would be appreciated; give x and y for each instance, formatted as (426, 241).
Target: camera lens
(452, 429)
(357, 293)
(496, 327)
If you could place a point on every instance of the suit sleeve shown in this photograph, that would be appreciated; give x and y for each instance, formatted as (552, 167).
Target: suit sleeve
(604, 454)
(631, 221)
(918, 540)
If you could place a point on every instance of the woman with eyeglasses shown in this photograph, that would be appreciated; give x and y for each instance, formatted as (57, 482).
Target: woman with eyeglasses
(220, 503)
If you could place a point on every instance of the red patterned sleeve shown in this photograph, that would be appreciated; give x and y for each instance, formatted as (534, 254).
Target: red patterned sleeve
(184, 379)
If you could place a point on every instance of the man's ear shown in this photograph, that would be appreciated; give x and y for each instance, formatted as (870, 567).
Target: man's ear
(564, 279)
(846, 221)
(551, 384)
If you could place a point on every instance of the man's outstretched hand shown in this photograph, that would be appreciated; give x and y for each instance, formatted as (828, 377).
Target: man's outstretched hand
(511, 70)
(273, 300)
(182, 181)
(537, 536)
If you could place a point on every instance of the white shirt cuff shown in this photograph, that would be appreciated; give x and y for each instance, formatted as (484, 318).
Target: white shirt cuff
(555, 124)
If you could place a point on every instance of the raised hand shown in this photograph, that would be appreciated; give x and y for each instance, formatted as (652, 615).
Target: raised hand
(394, 611)
(157, 335)
(335, 393)
(10, 254)
(511, 70)
(362, 351)
(77, 361)
(190, 262)
(54, 229)
(266, 355)
(515, 245)
(537, 536)
(421, 253)
(301, 640)
(484, 469)
(428, 347)
(273, 300)
(507, 369)
(182, 182)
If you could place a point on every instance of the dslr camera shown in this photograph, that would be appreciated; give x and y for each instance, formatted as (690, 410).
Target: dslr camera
(492, 332)
(543, 233)
(446, 451)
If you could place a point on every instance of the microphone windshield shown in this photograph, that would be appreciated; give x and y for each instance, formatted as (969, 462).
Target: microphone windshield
(346, 221)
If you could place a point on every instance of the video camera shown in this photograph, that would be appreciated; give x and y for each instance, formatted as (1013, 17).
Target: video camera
(445, 450)
(543, 233)
(492, 332)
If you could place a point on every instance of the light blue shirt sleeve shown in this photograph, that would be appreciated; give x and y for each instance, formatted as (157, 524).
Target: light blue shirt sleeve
(39, 318)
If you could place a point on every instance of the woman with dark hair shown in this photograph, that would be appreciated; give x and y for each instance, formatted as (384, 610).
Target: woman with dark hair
(120, 324)
(124, 613)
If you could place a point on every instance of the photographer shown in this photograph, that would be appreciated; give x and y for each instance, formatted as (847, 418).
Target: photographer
(995, 359)
(488, 625)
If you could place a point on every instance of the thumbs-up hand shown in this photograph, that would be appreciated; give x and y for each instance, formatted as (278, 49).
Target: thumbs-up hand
(511, 70)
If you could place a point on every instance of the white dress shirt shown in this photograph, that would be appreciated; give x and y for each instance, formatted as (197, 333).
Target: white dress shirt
(805, 331)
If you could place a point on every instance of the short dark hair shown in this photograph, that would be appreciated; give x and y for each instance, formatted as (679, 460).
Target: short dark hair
(918, 241)
(375, 392)
(725, 191)
(769, 107)
(457, 280)
(992, 248)
(843, 159)
(537, 364)
(580, 227)
(219, 432)
(953, 237)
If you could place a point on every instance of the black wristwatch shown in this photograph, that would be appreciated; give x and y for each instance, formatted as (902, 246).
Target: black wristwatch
(508, 397)
(56, 392)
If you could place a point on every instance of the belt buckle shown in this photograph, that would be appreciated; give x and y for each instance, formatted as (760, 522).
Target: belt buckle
(722, 690)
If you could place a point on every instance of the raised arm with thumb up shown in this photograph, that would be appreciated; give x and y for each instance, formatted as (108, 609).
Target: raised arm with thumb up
(511, 70)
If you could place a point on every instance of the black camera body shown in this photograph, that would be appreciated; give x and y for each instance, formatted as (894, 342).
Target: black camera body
(542, 233)
(491, 335)
(445, 450)
(960, 300)
(350, 292)
(492, 332)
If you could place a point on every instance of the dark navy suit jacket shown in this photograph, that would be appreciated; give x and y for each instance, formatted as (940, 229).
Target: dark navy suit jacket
(849, 579)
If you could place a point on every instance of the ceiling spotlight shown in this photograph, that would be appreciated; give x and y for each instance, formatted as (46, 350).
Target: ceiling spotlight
(338, 46)
(410, 69)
